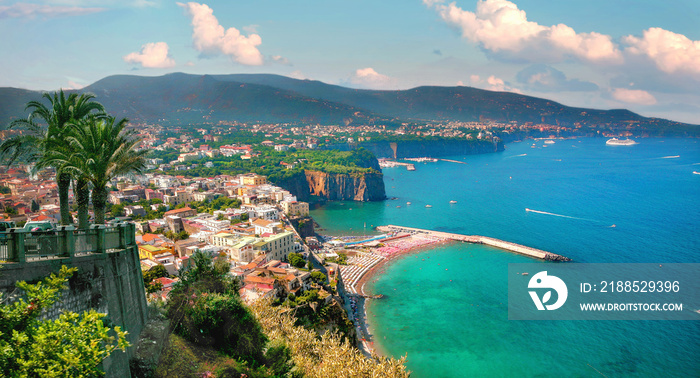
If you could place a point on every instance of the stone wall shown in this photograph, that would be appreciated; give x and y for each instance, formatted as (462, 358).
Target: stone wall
(108, 282)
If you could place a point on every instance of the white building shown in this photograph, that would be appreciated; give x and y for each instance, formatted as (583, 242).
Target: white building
(224, 239)
(295, 207)
(263, 226)
(243, 251)
(278, 246)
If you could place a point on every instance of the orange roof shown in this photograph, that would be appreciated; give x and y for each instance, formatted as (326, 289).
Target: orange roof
(278, 271)
(177, 211)
(259, 280)
(164, 280)
(249, 266)
(149, 237)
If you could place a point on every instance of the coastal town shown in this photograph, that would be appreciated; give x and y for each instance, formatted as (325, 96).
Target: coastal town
(240, 196)
(262, 231)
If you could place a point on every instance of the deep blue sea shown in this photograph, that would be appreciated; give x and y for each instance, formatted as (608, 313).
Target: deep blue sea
(446, 307)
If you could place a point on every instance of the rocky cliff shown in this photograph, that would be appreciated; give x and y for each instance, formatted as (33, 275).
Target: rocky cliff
(343, 187)
(335, 187)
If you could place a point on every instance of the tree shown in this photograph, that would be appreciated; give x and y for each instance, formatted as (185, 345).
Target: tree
(325, 356)
(36, 140)
(73, 345)
(118, 210)
(155, 272)
(5, 190)
(318, 277)
(101, 149)
(204, 307)
(296, 260)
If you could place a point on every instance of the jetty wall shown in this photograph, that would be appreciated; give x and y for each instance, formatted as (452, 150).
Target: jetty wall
(477, 239)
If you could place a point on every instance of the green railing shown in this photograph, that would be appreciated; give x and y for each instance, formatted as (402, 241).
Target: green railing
(20, 246)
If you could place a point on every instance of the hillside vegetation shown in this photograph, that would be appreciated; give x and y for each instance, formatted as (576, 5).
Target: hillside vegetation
(214, 334)
(183, 98)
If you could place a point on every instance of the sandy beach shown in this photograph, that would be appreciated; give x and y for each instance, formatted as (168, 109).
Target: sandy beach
(356, 295)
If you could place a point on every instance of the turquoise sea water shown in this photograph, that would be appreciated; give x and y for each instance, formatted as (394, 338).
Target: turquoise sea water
(447, 307)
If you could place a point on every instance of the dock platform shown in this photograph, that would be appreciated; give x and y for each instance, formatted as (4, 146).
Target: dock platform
(477, 239)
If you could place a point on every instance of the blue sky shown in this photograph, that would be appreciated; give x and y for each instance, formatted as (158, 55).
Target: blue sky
(642, 55)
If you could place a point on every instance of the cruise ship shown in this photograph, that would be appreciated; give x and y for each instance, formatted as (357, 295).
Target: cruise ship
(620, 142)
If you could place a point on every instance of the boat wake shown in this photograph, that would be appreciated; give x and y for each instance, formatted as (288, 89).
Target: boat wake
(670, 157)
(517, 155)
(558, 215)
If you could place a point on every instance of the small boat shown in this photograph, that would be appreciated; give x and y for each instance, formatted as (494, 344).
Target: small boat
(453, 201)
(398, 207)
(408, 203)
(548, 141)
(526, 274)
(428, 205)
(696, 173)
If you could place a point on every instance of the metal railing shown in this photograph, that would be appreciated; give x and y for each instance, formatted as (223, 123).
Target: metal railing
(20, 246)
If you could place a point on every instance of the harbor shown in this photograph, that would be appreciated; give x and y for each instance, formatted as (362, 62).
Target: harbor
(370, 253)
(385, 163)
(477, 239)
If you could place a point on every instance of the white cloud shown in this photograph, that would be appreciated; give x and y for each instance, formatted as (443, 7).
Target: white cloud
(501, 28)
(369, 78)
(298, 75)
(280, 59)
(251, 29)
(492, 83)
(21, 10)
(210, 38)
(671, 52)
(633, 96)
(544, 78)
(73, 85)
(152, 55)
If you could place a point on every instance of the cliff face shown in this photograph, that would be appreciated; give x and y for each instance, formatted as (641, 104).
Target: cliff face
(342, 187)
(296, 185)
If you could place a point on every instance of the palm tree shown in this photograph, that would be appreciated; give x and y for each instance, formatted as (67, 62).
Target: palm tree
(33, 145)
(100, 149)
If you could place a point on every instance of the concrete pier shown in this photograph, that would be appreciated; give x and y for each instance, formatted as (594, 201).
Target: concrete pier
(477, 239)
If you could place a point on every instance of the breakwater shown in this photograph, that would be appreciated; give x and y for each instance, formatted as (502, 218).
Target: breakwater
(477, 239)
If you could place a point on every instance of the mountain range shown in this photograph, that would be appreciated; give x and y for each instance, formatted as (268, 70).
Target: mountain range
(180, 98)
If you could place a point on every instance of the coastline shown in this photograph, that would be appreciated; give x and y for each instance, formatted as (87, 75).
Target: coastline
(358, 302)
(577, 239)
(371, 258)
